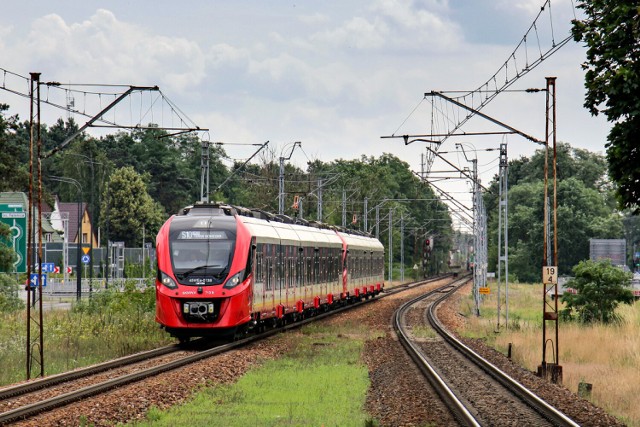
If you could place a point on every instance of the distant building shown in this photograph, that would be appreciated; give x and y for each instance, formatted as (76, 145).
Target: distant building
(611, 249)
(88, 234)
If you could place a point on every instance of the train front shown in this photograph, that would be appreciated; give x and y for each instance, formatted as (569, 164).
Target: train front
(203, 281)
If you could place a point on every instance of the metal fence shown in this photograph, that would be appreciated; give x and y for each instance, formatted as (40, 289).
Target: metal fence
(59, 287)
(99, 258)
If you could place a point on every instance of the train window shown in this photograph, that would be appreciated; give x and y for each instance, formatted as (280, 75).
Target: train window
(308, 262)
(277, 266)
(354, 264)
(321, 269)
(259, 273)
(299, 267)
(269, 265)
(291, 266)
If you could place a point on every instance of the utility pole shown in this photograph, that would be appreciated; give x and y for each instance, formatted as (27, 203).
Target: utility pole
(366, 214)
(390, 245)
(204, 172)
(34, 260)
(319, 199)
(550, 369)
(281, 194)
(503, 233)
(401, 248)
(344, 207)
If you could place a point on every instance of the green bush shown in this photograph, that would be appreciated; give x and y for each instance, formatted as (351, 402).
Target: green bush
(9, 300)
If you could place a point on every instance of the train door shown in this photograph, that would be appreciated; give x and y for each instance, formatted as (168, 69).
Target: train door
(288, 277)
(270, 275)
(316, 268)
(280, 297)
(345, 269)
(258, 278)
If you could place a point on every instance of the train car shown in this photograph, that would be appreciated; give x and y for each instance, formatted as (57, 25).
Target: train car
(223, 270)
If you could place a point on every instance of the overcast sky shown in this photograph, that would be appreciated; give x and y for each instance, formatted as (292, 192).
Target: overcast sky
(336, 75)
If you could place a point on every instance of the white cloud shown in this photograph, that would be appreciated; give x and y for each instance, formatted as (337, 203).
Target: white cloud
(315, 19)
(4, 33)
(113, 51)
(531, 7)
(396, 24)
(358, 32)
(336, 77)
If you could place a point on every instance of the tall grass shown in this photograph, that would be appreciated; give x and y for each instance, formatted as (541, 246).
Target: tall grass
(111, 324)
(607, 356)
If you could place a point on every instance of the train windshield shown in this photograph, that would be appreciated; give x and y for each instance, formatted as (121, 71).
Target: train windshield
(202, 253)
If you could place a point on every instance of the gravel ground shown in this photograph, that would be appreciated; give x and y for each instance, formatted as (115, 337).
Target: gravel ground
(398, 395)
(578, 409)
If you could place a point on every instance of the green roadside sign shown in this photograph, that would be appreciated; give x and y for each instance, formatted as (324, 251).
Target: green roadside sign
(16, 219)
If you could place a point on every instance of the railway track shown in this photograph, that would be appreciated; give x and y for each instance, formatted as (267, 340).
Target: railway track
(476, 391)
(26, 400)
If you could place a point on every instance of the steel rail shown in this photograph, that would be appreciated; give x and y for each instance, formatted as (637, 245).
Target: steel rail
(549, 412)
(84, 372)
(455, 406)
(95, 389)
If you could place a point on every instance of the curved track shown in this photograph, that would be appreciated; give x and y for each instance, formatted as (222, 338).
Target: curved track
(36, 405)
(475, 396)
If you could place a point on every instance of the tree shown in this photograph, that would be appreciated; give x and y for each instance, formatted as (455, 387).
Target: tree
(611, 32)
(600, 287)
(130, 208)
(7, 255)
(9, 300)
(586, 210)
(13, 168)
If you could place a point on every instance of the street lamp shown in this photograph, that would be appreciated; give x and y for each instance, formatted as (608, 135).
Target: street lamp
(79, 233)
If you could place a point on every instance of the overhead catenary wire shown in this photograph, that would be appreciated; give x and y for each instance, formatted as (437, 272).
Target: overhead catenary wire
(448, 119)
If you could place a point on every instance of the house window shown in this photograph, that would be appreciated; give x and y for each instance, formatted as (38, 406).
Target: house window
(85, 238)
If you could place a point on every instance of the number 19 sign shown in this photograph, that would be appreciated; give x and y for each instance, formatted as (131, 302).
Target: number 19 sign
(550, 275)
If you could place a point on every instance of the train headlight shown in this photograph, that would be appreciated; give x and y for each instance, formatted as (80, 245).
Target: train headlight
(234, 280)
(168, 281)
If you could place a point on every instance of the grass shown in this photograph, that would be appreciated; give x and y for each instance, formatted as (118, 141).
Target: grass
(112, 324)
(321, 382)
(606, 356)
(423, 332)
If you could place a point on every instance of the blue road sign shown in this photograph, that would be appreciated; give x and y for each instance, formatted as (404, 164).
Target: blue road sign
(33, 280)
(86, 259)
(48, 267)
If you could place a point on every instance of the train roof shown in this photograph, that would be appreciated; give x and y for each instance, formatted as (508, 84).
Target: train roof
(356, 241)
(282, 228)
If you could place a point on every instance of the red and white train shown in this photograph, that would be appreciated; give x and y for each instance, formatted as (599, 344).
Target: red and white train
(224, 269)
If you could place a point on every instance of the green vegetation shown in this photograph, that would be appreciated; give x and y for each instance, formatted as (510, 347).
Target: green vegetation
(320, 382)
(7, 255)
(611, 33)
(423, 332)
(601, 288)
(586, 210)
(110, 325)
(132, 208)
(139, 178)
(9, 300)
(605, 355)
